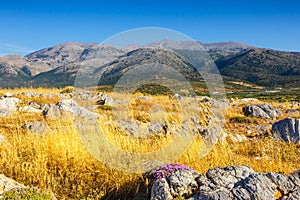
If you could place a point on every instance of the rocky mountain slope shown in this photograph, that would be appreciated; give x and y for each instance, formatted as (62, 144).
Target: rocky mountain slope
(143, 57)
(265, 67)
(57, 66)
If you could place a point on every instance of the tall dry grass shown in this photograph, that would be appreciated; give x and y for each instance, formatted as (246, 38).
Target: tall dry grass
(59, 161)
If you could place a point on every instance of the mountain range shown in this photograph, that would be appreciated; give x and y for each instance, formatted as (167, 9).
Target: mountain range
(57, 66)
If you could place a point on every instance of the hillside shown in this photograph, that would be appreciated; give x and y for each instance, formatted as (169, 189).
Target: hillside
(264, 67)
(57, 66)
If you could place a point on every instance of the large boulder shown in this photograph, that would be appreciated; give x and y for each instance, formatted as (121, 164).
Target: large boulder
(69, 107)
(171, 180)
(262, 110)
(287, 130)
(8, 106)
(231, 182)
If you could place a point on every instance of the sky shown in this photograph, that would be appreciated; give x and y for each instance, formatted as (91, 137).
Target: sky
(27, 26)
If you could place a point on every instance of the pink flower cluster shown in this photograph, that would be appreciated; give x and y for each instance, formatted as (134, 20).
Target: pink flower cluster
(164, 171)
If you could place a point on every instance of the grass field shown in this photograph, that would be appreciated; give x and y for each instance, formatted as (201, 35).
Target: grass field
(59, 161)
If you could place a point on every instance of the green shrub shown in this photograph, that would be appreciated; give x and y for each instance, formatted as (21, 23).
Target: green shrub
(242, 119)
(105, 107)
(67, 89)
(28, 194)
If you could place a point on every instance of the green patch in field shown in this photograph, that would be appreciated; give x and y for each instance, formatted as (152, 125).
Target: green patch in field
(105, 107)
(68, 89)
(243, 119)
(154, 89)
(28, 194)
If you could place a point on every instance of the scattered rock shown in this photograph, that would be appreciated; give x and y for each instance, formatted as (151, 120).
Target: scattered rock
(36, 127)
(31, 94)
(104, 99)
(9, 189)
(51, 111)
(292, 112)
(262, 110)
(30, 109)
(8, 106)
(231, 100)
(237, 138)
(231, 182)
(204, 99)
(69, 107)
(177, 96)
(49, 95)
(157, 128)
(143, 98)
(132, 128)
(247, 100)
(262, 130)
(36, 105)
(7, 184)
(4, 141)
(220, 104)
(287, 130)
(8, 95)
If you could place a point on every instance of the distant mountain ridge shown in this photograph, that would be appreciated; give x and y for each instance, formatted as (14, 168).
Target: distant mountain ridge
(57, 66)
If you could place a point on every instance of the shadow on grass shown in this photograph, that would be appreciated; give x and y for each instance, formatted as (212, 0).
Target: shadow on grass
(130, 191)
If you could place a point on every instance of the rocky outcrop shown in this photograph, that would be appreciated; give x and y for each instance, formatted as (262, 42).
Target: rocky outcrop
(262, 110)
(175, 181)
(287, 130)
(8, 106)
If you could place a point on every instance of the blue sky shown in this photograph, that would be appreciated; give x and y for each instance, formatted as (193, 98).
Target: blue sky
(31, 25)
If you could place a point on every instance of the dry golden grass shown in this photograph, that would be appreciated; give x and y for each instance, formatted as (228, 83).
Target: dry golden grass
(59, 161)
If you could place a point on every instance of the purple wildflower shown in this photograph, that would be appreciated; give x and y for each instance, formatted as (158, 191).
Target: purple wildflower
(163, 171)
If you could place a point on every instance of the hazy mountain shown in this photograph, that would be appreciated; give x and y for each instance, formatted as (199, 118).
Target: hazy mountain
(220, 47)
(74, 52)
(69, 57)
(58, 65)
